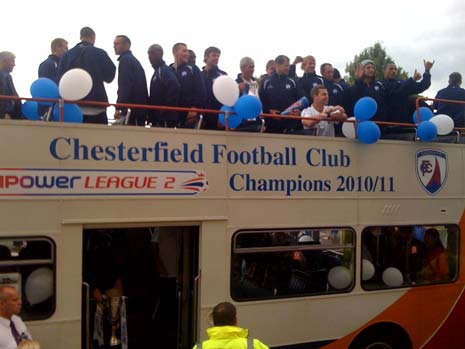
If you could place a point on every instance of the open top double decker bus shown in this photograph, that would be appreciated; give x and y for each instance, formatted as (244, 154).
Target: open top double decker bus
(319, 242)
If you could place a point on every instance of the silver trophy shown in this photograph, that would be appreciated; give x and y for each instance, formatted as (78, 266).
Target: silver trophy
(114, 305)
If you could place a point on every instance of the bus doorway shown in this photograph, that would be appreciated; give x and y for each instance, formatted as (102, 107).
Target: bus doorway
(154, 269)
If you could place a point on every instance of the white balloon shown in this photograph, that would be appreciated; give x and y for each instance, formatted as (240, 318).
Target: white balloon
(39, 285)
(75, 84)
(392, 277)
(348, 128)
(340, 277)
(444, 123)
(225, 90)
(368, 270)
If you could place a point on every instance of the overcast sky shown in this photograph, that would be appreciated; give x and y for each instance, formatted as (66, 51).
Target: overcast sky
(332, 31)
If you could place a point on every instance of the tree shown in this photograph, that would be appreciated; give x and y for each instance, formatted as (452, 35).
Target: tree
(377, 54)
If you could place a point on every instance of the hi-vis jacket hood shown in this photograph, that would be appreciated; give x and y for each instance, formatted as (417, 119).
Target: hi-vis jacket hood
(229, 337)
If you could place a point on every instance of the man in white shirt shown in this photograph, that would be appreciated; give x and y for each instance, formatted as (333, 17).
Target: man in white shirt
(12, 328)
(322, 116)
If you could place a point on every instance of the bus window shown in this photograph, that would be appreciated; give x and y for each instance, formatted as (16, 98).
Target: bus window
(28, 264)
(405, 256)
(288, 263)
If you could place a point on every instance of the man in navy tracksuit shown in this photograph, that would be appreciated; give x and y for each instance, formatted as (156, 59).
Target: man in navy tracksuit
(279, 92)
(48, 68)
(366, 85)
(8, 108)
(398, 92)
(100, 67)
(132, 84)
(309, 79)
(210, 72)
(335, 91)
(164, 90)
(193, 93)
(455, 93)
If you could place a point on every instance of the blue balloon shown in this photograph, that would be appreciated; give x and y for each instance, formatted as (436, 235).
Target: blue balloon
(365, 108)
(71, 113)
(427, 131)
(44, 88)
(368, 132)
(30, 110)
(248, 107)
(425, 114)
(234, 120)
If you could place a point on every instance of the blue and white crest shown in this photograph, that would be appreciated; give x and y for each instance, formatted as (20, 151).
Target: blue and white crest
(431, 168)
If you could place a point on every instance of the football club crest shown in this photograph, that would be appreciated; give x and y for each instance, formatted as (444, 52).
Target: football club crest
(431, 168)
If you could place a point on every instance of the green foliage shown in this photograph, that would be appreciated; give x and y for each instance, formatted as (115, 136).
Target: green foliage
(377, 54)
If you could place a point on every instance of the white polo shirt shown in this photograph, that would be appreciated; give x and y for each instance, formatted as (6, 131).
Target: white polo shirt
(7, 340)
(322, 128)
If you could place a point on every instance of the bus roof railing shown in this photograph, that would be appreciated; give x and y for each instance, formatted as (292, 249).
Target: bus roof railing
(263, 116)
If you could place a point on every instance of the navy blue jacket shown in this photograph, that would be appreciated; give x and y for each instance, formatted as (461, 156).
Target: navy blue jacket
(192, 86)
(132, 83)
(309, 81)
(93, 60)
(211, 120)
(164, 90)
(397, 97)
(343, 84)
(48, 68)
(374, 90)
(7, 88)
(208, 77)
(335, 93)
(455, 111)
(279, 92)
(306, 82)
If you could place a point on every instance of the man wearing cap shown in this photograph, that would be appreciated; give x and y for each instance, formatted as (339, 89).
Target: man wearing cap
(366, 85)
(12, 328)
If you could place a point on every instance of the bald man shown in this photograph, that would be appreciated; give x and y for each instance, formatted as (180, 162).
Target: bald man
(12, 328)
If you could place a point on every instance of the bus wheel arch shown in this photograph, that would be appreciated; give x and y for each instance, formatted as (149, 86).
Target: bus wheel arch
(382, 335)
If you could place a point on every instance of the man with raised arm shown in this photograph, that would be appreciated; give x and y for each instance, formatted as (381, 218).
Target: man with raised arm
(99, 66)
(192, 93)
(398, 91)
(226, 334)
(12, 328)
(366, 85)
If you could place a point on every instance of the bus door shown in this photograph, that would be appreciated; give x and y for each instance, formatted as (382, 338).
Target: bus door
(148, 274)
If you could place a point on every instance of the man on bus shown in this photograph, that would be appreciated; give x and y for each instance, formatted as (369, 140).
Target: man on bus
(225, 333)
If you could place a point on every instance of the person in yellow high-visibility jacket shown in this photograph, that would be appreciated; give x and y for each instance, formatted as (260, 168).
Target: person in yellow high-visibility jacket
(225, 333)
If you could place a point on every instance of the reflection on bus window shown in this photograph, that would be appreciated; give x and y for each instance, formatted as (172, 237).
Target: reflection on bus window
(287, 263)
(28, 264)
(404, 256)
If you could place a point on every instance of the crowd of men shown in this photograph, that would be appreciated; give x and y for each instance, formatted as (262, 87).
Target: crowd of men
(183, 84)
